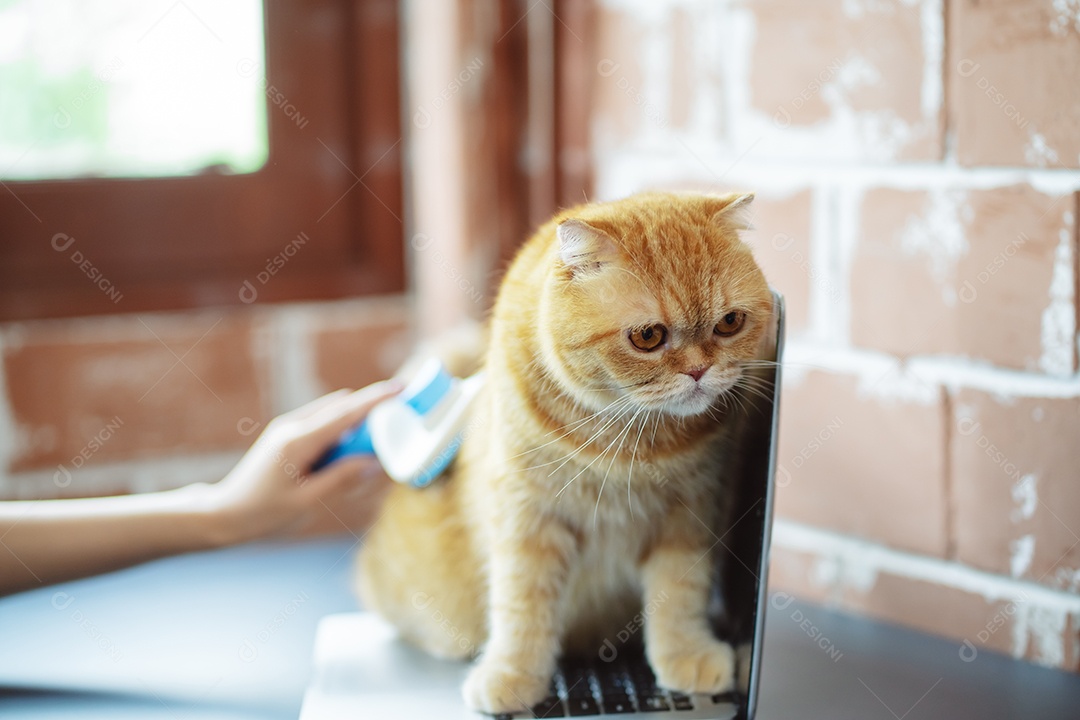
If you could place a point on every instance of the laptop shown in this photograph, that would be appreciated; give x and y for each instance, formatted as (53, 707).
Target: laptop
(364, 670)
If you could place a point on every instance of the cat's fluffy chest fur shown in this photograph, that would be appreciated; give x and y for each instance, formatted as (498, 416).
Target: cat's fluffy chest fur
(591, 483)
(609, 497)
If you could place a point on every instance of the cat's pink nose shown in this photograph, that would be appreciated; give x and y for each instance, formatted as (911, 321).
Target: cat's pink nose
(697, 372)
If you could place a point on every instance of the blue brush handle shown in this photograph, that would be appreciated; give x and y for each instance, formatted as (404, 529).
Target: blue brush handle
(358, 440)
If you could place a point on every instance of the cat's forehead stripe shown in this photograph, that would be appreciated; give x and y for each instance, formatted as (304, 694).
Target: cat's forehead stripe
(592, 339)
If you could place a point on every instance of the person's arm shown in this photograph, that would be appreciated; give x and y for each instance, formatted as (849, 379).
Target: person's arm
(268, 494)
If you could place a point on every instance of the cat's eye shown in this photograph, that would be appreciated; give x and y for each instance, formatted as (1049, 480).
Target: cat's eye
(648, 338)
(730, 323)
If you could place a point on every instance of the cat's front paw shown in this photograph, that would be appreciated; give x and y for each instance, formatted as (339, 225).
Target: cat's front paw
(494, 687)
(706, 667)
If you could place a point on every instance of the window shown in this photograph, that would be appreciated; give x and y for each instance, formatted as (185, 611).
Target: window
(123, 88)
(181, 153)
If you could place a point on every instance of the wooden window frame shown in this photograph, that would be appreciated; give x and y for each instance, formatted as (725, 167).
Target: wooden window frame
(541, 104)
(510, 145)
(321, 220)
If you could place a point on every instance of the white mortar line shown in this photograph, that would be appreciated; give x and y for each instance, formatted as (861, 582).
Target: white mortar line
(953, 373)
(126, 327)
(878, 558)
(1059, 318)
(648, 167)
(740, 33)
(263, 347)
(708, 106)
(932, 92)
(644, 9)
(847, 211)
(655, 53)
(293, 374)
(352, 312)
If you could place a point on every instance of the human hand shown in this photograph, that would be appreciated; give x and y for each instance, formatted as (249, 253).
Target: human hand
(272, 492)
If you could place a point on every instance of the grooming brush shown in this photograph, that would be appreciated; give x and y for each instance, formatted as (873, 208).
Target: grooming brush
(416, 434)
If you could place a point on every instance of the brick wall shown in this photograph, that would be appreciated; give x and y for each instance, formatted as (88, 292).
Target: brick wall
(917, 165)
(130, 403)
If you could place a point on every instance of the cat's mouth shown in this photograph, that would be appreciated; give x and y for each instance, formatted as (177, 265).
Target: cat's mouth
(695, 397)
(684, 396)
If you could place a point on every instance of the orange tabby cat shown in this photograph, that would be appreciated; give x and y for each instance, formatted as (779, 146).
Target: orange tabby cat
(618, 334)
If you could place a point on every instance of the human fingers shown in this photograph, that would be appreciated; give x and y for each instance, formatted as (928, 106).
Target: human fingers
(348, 471)
(327, 424)
(308, 409)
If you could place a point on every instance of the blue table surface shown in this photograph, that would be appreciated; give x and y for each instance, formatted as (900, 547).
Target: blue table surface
(229, 634)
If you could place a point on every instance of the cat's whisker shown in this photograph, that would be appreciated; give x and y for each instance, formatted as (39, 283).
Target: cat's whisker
(761, 390)
(633, 457)
(569, 427)
(616, 408)
(622, 413)
(631, 386)
(786, 363)
(591, 462)
(723, 397)
(745, 405)
(757, 379)
(585, 419)
(729, 401)
(751, 393)
(751, 376)
(614, 456)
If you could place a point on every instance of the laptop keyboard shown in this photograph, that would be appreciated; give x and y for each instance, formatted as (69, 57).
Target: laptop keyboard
(623, 686)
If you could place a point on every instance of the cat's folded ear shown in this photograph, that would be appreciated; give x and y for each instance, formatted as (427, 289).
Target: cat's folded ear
(584, 248)
(732, 210)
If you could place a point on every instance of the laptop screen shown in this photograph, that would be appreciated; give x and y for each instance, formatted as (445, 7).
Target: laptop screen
(739, 594)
